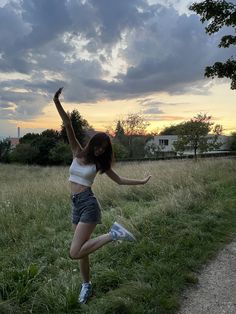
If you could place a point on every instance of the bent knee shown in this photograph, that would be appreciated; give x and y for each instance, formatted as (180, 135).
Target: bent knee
(71, 256)
(74, 254)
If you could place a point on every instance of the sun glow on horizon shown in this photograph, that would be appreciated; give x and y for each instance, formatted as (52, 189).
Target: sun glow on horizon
(160, 110)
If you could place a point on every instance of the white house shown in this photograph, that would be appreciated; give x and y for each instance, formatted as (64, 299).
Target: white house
(164, 143)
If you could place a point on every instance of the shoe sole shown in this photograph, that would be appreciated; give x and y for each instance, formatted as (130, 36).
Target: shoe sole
(125, 230)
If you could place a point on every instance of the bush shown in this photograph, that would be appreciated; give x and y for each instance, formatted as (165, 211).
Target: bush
(120, 151)
(24, 153)
(5, 147)
(60, 154)
(233, 141)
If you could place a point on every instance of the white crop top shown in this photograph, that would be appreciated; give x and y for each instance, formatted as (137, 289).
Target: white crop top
(82, 174)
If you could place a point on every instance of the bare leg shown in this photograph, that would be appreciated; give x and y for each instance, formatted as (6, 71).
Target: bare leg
(93, 244)
(84, 268)
(84, 264)
(89, 247)
(82, 245)
(80, 248)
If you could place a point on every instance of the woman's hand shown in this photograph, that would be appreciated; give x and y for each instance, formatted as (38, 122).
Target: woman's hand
(57, 94)
(146, 179)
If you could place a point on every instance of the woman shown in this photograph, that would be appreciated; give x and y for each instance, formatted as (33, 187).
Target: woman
(97, 156)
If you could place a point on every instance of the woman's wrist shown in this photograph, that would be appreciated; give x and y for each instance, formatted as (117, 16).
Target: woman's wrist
(57, 94)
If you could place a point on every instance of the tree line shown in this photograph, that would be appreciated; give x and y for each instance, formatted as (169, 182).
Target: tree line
(51, 147)
(48, 148)
(129, 136)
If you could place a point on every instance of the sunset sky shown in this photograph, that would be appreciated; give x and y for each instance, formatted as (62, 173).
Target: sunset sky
(113, 58)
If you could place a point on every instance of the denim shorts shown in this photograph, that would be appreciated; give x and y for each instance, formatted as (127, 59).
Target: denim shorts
(85, 207)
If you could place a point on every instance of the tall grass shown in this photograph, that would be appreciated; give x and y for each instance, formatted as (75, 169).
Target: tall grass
(181, 217)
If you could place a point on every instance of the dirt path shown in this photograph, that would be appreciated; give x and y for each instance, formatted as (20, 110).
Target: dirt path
(216, 291)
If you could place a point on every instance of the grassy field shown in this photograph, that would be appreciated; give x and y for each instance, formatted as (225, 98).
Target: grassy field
(181, 218)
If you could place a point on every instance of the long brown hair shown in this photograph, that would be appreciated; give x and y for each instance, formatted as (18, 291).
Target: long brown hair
(104, 161)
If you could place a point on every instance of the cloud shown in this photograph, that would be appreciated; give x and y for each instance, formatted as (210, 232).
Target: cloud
(76, 44)
(5, 105)
(152, 102)
(164, 57)
(8, 128)
(150, 106)
(20, 105)
(152, 111)
(167, 118)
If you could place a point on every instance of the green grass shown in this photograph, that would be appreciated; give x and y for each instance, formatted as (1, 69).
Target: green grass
(181, 218)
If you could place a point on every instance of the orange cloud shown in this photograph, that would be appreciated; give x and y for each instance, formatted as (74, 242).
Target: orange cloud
(167, 118)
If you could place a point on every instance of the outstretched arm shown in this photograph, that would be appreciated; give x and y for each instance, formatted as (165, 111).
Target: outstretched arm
(124, 181)
(74, 143)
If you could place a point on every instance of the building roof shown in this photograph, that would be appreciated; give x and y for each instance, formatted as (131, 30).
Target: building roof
(14, 140)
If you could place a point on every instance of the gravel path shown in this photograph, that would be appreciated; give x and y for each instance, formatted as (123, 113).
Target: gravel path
(216, 291)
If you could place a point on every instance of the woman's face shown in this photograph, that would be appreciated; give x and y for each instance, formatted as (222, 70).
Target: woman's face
(99, 150)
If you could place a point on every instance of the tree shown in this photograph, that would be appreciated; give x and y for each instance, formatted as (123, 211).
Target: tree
(24, 153)
(126, 129)
(194, 135)
(170, 130)
(219, 13)
(120, 151)
(139, 146)
(153, 133)
(28, 138)
(35, 148)
(120, 134)
(80, 126)
(134, 125)
(5, 146)
(50, 133)
(119, 139)
(152, 149)
(60, 154)
(233, 141)
(89, 132)
(44, 145)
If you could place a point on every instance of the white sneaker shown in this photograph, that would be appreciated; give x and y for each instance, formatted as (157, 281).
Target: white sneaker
(85, 292)
(118, 232)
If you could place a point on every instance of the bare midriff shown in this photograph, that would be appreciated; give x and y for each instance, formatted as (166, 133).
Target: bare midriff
(77, 188)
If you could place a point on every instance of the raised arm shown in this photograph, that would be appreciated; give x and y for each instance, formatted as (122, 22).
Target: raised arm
(124, 181)
(74, 143)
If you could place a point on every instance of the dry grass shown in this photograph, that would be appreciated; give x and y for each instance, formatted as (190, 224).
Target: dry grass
(179, 217)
